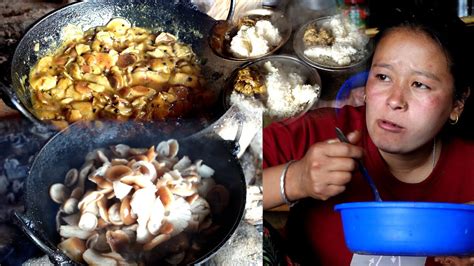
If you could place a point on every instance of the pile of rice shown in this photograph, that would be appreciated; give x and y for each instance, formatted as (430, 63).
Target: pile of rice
(256, 40)
(348, 48)
(287, 95)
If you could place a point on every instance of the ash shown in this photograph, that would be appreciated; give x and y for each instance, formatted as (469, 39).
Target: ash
(19, 142)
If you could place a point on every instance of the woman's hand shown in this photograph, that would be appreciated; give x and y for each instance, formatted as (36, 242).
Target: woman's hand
(325, 169)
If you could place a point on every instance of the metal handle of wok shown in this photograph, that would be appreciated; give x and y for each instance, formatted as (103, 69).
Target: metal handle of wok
(54, 254)
(231, 10)
(4, 95)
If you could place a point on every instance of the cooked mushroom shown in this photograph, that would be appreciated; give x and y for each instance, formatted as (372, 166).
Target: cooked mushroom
(70, 206)
(116, 172)
(88, 221)
(93, 258)
(98, 241)
(73, 231)
(71, 177)
(156, 241)
(73, 247)
(126, 212)
(156, 217)
(58, 193)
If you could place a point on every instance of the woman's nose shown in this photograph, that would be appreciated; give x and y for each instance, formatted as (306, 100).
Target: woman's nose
(397, 99)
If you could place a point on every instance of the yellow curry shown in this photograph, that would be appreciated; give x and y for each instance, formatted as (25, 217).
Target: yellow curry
(118, 72)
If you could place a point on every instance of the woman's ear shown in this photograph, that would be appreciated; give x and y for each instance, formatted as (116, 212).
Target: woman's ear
(458, 106)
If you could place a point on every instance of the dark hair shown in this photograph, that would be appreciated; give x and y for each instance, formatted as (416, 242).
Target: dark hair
(455, 39)
(449, 31)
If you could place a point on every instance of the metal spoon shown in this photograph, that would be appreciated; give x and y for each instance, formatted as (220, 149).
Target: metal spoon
(361, 166)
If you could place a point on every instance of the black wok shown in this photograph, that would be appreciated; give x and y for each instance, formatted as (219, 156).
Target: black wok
(68, 149)
(177, 17)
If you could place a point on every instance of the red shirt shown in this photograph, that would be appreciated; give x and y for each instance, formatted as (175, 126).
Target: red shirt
(314, 229)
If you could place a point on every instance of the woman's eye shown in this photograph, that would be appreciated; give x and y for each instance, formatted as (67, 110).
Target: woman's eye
(420, 85)
(382, 77)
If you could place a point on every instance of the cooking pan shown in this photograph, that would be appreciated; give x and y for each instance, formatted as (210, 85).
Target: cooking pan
(68, 149)
(408, 228)
(177, 17)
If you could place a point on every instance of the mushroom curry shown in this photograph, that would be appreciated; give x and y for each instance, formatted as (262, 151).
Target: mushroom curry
(118, 72)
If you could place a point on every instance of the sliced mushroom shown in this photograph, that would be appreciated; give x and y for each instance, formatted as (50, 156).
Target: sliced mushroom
(121, 190)
(145, 168)
(167, 149)
(88, 221)
(116, 172)
(141, 203)
(184, 189)
(165, 196)
(155, 242)
(126, 212)
(166, 228)
(73, 247)
(102, 208)
(98, 242)
(67, 231)
(84, 173)
(201, 208)
(58, 193)
(165, 38)
(126, 59)
(121, 150)
(151, 154)
(114, 214)
(118, 240)
(121, 260)
(183, 163)
(77, 192)
(101, 181)
(156, 217)
(93, 258)
(205, 171)
(70, 206)
(72, 219)
(179, 215)
(102, 157)
(89, 199)
(71, 177)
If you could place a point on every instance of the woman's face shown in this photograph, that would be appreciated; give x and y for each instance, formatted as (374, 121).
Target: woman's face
(409, 92)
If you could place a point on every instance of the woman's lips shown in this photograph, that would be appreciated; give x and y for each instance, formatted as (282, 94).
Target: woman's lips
(389, 126)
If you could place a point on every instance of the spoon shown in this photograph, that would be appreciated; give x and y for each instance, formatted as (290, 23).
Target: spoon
(361, 166)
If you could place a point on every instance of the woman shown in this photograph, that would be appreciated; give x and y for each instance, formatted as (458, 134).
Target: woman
(416, 90)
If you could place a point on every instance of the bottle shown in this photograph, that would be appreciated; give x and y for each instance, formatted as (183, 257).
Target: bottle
(356, 11)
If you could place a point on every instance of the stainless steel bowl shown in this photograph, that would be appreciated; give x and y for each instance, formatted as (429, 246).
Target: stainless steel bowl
(299, 48)
(223, 32)
(309, 75)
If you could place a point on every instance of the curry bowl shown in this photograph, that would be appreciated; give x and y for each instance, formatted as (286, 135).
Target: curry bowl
(279, 87)
(408, 228)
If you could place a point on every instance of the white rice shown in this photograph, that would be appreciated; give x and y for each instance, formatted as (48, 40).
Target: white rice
(348, 47)
(255, 41)
(287, 94)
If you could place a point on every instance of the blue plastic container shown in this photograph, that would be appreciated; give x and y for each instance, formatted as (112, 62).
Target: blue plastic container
(408, 228)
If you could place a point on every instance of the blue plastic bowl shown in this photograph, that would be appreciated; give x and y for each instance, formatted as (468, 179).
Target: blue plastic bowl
(408, 228)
